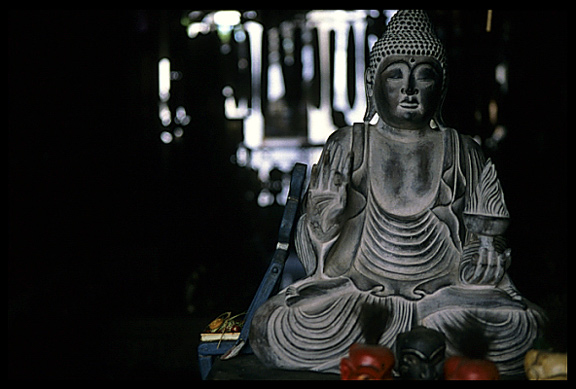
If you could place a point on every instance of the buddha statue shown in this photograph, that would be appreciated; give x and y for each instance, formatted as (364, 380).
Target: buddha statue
(406, 213)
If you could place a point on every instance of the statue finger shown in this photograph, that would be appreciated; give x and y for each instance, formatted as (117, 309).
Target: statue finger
(507, 258)
(326, 157)
(337, 179)
(342, 201)
(489, 267)
(500, 268)
(330, 167)
(480, 266)
(334, 178)
(491, 258)
(347, 167)
(503, 263)
(337, 157)
(323, 169)
(314, 177)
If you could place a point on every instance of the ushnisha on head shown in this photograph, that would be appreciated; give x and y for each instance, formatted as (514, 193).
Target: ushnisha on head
(410, 38)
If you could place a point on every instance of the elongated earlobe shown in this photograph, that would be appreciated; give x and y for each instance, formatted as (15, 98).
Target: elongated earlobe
(370, 108)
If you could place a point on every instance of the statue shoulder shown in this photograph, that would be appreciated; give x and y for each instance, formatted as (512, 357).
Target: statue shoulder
(350, 138)
(340, 136)
(470, 155)
(468, 144)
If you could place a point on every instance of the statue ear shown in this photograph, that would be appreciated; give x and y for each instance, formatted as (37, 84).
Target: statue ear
(369, 85)
(370, 107)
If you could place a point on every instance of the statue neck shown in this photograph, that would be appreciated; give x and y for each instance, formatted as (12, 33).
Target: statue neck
(402, 135)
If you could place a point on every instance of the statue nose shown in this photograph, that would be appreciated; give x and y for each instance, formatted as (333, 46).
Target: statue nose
(410, 90)
(409, 87)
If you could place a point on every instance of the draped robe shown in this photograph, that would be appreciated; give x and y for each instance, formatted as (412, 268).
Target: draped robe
(409, 263)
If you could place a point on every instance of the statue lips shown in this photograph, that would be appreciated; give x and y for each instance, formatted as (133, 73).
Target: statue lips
(409, 103)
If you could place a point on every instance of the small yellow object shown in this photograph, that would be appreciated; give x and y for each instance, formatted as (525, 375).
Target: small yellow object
(543, 365)
(489, 21)
(215, 324)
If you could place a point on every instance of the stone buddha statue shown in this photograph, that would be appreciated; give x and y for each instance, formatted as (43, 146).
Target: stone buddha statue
(406, 213)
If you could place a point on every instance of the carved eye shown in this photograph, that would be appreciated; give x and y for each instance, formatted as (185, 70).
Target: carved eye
(410, 360)
(395, 74)
(394, 71)
(426, 73)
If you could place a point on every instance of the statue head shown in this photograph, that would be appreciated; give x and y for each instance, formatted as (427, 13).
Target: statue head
(420, 354)
(406, 77)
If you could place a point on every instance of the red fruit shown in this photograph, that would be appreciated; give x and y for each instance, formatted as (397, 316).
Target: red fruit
(462, 368)
(367, 362)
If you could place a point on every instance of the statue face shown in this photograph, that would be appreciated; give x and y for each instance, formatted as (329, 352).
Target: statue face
(407, 90)
(420, 354)
(415, 365)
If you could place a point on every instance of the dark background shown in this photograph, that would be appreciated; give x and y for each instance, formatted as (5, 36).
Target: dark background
(122, 248)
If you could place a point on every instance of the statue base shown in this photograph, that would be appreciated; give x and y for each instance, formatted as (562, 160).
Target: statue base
(249, 367)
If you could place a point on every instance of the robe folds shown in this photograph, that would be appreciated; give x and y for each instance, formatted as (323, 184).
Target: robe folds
(407, 263)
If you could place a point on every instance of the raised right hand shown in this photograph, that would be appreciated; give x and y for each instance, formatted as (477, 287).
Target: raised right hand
(328, 192)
